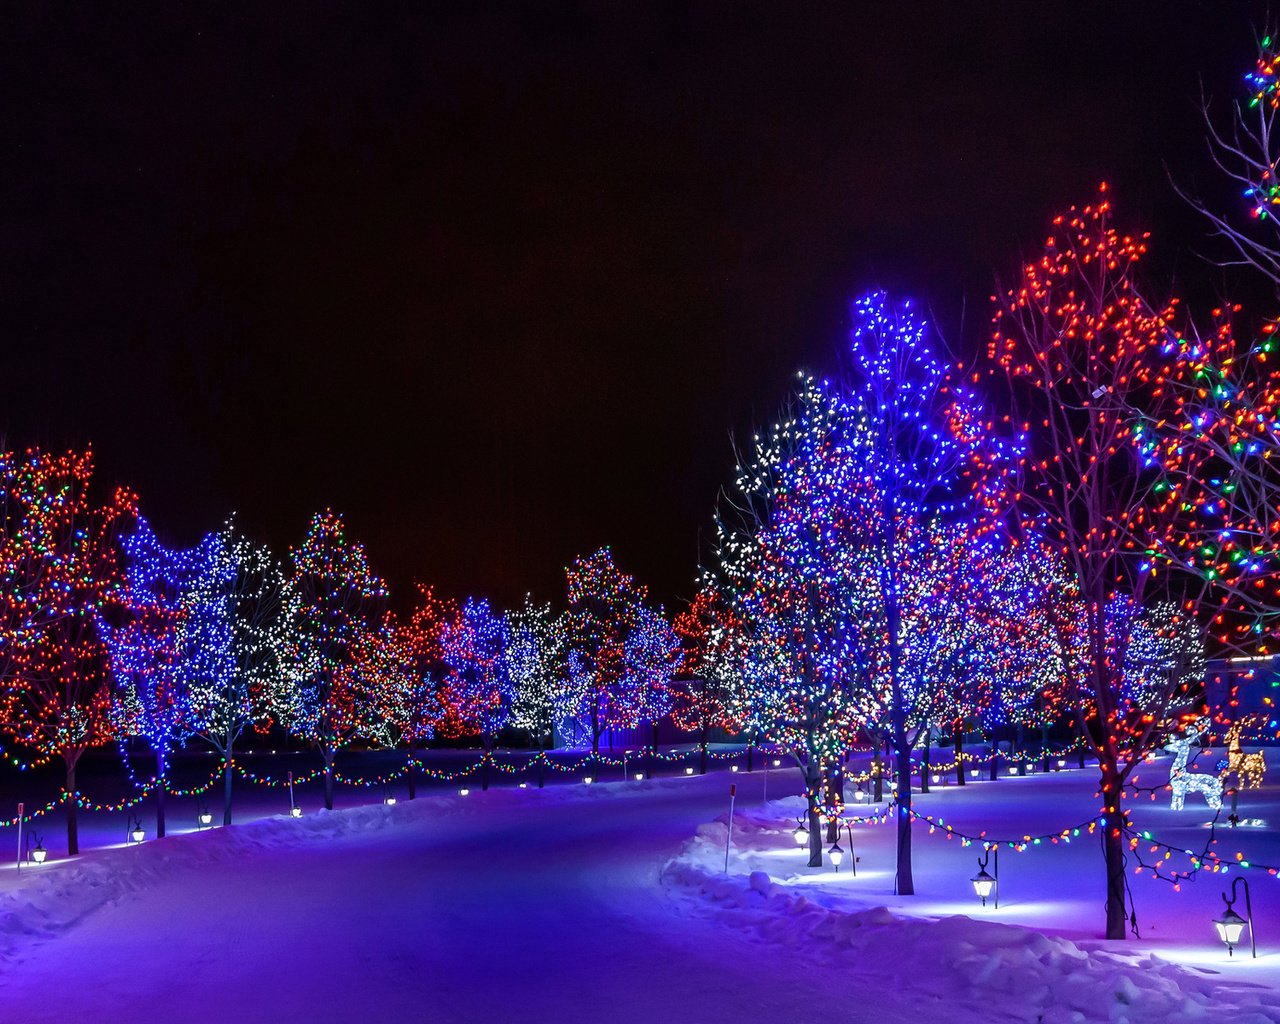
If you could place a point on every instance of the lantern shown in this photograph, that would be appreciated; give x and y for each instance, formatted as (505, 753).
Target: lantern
(984, 885)
(1231, 925)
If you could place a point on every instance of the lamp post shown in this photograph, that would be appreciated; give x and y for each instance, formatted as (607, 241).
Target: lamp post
(1231, 925)
(836, 853)
(853, 857)
(985, 885)
(39, 854)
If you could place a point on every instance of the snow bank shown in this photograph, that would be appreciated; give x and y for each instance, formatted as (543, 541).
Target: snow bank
(984, 970)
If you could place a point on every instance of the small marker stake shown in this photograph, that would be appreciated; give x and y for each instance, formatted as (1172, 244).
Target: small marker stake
(733, 792)
(20, 806)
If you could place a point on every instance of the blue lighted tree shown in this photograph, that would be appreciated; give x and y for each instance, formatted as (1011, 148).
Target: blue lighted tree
(152, 695)
(477, 691)
(854, 554)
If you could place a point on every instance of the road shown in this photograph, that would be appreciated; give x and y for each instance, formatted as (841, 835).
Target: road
(537, 906)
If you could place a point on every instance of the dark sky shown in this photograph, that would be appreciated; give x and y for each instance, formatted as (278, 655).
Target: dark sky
(498, 280)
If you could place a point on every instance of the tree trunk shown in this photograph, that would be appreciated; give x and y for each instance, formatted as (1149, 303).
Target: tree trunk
(924, 765)
(595, 733)
(162, 771)
(877, 774)
(1015, 751)
(906, 884)
(993, 763)
(73, 825)
(813, 783)
(1044, 749)
(653, 752)
(835, 798)
(228, 770)
(702, 758)
(411, 773)
(958, 736)
(484, 768)
(750, 751)
(328, 779)
(1084, 742)
(1113, 849)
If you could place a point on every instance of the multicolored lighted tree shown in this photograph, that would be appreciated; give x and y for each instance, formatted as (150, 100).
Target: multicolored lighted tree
(335, 604)
(476, 692)
(606, 607)
(783, 566)
(233, 634)
(60, 567)
(1087, 359)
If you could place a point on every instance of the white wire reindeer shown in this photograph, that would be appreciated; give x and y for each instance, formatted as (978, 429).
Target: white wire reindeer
(1183, 781)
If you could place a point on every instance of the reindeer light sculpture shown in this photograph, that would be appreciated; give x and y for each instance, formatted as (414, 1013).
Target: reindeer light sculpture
(1249, 768)
(1183, 781)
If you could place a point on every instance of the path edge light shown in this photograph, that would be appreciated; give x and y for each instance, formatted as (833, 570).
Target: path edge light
(986, 886)
(1230, 925)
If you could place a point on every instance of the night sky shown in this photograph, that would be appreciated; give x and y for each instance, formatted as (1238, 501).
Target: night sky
(499, 281)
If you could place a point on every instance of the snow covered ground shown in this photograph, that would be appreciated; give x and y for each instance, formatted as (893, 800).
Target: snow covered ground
(581, 902)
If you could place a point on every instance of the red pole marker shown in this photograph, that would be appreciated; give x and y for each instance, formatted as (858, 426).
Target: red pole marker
(733, 792)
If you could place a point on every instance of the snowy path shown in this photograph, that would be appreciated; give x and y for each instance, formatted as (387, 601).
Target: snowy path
(551, 906)
(543, 904)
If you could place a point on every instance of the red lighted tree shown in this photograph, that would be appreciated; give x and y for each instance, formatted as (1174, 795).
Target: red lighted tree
(708, 689)
(605, 607)
(60, 569)
(1086, 358)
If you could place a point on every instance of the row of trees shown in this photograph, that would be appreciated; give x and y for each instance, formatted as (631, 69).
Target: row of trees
(107, 633)
(899, 549)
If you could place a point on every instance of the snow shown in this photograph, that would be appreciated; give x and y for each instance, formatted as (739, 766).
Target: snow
(611, 901)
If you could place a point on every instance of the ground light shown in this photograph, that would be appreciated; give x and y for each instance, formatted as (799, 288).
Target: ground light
(1231, 925)
(37, 854)
(688, 771)
(985, 885)
(295, 811)
(588, 780)
(801, 834)
(136, 832)
(390, 801)
(639, 776)
(464, 791)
